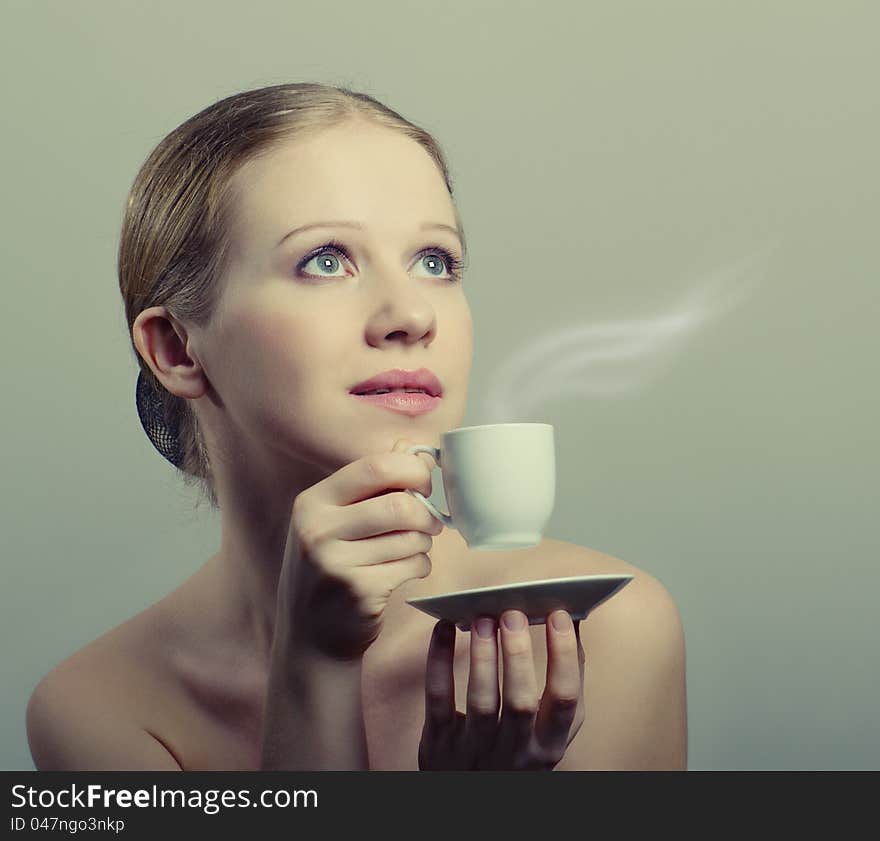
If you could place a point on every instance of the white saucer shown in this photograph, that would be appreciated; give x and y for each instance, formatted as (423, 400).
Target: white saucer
(537, 599)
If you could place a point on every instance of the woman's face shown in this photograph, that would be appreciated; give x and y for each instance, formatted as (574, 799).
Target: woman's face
(298, 326)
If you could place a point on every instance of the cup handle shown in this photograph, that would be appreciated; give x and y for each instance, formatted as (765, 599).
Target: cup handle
(435, 454)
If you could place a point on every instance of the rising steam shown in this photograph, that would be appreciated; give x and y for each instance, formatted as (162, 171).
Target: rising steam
(615, 359)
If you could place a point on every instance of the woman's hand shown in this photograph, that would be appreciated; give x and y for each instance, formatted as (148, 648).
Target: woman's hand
(531, 734)
(352, 541)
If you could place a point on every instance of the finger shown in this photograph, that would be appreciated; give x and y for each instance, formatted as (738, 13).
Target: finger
(370, 476)
(483, 695)
(385, 549)
(564, 687)
(582, 660)
(403, 444)
(387, 528)
(582, 656)
(520, 690)
(384, 517)
(381, 580)
(439, 677)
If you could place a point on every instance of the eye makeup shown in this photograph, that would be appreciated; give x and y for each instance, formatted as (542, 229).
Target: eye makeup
(453, 264)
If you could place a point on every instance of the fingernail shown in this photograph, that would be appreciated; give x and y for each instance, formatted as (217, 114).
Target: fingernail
(515, 620)
(485, 628)
(561, 621)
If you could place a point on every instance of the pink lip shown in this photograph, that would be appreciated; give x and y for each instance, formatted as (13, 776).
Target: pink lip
(423, 378)
(402, 402)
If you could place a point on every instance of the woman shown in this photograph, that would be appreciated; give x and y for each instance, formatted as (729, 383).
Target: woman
(255, 308)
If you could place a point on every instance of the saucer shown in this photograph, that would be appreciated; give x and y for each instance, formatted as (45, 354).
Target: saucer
(537, 599)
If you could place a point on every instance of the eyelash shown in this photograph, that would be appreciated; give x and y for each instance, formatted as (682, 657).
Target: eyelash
(453, 264)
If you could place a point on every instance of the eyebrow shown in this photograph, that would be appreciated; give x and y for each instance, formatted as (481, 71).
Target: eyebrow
(357, 225)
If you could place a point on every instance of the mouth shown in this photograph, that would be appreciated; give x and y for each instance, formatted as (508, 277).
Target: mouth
(406, 401)
(400, 380)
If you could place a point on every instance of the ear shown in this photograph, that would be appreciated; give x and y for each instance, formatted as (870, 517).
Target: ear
(165, 345)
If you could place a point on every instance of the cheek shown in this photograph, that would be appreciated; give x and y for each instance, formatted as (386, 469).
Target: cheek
(258, 343)
(265, 373)
(270, 347)
(464, 335)
(263, 334)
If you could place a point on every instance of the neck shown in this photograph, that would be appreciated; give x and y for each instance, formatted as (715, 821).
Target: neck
(245, 571)
(244, 580)
(239, 583)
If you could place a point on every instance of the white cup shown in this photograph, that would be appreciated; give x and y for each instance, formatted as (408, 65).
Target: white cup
(499, 481)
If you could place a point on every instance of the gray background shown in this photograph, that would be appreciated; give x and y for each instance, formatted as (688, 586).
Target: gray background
(683, 196)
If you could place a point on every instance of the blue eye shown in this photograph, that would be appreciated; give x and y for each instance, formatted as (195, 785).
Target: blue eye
(453, 264)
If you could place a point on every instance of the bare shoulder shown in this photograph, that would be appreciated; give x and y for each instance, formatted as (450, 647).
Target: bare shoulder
(592, 561)
(124, 665)
(92, 711)
(635, 687)
(642, 598)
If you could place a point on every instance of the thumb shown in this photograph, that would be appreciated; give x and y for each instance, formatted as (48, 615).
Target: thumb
(403, 444)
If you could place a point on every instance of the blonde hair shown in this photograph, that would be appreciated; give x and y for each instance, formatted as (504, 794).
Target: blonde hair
(174, 245)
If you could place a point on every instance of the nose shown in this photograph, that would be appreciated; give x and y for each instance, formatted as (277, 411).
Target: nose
(409, 319)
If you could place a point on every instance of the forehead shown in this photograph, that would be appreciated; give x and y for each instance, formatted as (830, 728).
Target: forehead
(366, 173)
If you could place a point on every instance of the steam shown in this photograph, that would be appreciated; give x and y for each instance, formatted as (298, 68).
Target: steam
(616, 359)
